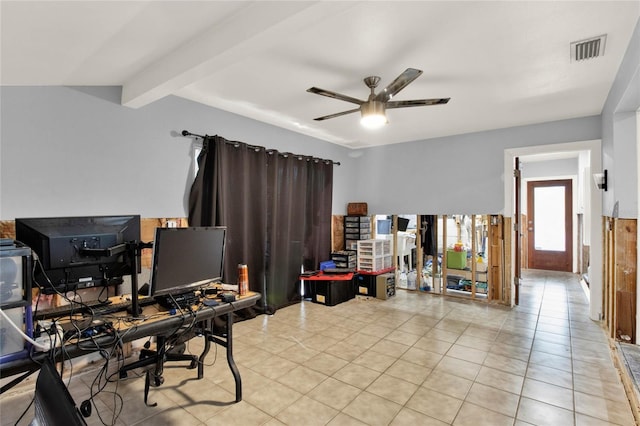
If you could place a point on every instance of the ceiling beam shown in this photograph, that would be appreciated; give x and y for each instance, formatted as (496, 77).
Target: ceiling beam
(251, 29)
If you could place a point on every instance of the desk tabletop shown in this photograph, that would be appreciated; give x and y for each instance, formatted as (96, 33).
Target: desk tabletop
(154, 321)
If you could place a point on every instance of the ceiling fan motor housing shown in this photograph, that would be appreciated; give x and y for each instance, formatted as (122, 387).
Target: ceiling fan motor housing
(372, 107)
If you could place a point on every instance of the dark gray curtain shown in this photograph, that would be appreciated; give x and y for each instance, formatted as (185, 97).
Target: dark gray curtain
(228, 192)
(319, 194)
(286, 227)
(277, 208)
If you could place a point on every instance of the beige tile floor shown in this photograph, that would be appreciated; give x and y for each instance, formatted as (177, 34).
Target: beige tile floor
(414, 359)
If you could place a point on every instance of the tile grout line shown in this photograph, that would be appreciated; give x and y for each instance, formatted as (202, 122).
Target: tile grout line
(573, 384)
(526, 370)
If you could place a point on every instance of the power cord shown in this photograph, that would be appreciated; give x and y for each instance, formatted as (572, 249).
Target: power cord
(21, 332)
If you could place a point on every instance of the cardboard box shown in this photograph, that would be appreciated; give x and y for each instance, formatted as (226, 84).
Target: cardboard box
(386, 285)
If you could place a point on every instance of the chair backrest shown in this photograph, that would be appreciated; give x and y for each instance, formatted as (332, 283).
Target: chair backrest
(53, 403)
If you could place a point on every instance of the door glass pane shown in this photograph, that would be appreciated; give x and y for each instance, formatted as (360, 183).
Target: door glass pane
(549, 226)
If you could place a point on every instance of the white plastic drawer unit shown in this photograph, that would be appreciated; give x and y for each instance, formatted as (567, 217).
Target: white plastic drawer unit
(374, 248)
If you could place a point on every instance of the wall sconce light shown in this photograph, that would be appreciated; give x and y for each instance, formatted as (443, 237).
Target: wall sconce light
(600, 180)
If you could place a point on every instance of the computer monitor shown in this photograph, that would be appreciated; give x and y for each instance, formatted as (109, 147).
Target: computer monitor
(383, 226)
(54, 405)
(186, 258)
(64, 246)
(403, 224)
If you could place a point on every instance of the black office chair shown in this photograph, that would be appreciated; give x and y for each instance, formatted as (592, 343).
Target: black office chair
(157, 358)
(54, 405)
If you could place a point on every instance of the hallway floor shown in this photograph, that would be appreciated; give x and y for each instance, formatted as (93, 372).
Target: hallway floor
(414, 359)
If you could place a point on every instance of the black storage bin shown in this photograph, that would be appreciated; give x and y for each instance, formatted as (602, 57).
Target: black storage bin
(331, 293)
(366, 284)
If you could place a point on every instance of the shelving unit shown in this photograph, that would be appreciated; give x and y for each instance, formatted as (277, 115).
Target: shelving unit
(467, 277)
(356, 228)
(374, 255)
(344, 259)
(484, 235)
(462, 275)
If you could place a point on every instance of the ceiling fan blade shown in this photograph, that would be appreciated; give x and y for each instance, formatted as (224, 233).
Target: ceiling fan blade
(398, 84)
(334, 95)
(338, 114)
(417, 102)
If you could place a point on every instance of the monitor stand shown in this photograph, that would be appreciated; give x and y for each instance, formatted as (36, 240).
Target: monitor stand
(134, 251)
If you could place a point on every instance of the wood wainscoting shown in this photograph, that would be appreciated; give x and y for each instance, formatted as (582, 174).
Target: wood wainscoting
(620, 277)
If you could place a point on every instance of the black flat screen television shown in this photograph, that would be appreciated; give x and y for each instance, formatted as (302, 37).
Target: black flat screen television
(186, 258)
(64, 246)
(54, 406)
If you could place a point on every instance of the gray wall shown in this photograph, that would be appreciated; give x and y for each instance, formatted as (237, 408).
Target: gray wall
(77, 151)
(461, 174)
(620, 134)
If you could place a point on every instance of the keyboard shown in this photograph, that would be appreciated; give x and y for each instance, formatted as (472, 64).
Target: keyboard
(117, 307)
(94, 307)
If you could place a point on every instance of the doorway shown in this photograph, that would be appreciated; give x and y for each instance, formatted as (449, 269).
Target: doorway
(549, 225)
(590, 153)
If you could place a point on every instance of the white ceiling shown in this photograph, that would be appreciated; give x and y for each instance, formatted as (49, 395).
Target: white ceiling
(502, 63)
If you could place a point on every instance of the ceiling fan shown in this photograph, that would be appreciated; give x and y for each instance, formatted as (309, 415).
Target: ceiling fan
(373, 109)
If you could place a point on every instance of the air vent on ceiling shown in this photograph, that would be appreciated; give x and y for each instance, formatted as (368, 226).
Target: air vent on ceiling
(587, 49)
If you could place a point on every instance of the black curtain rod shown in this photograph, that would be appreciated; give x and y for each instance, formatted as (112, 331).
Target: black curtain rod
(269, 151)
(300, 157)
(188, 133)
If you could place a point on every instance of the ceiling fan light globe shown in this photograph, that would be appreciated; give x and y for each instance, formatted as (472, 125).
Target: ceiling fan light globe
(373, 121)
(373, 116)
